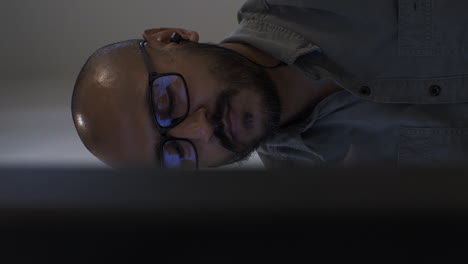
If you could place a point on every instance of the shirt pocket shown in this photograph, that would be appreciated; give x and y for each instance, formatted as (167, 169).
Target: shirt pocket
(420, 146)
(415, 28)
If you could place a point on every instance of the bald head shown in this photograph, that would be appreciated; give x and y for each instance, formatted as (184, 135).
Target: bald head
(108, 101)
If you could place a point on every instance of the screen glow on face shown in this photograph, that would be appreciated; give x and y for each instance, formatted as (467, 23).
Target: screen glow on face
(169, 99)
(178, 154)
(169, 102)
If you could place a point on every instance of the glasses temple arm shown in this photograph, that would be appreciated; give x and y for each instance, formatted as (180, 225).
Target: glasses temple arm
(146, 57)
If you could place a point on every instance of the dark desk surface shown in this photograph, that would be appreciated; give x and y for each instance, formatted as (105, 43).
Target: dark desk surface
(225, 190)
(389, 212)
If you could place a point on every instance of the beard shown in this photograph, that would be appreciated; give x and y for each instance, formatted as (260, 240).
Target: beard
(270, 106)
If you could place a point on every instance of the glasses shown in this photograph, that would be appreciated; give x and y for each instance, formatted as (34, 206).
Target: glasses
(169, 101)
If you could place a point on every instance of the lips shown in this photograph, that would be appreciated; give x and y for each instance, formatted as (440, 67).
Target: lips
(227, 120)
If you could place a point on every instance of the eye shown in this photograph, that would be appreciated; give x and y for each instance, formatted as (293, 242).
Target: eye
(179, 154)
(161, 98)
(170, 109)
(180, 150)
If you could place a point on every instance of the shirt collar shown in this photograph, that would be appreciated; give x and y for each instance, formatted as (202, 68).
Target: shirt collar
(281, 43)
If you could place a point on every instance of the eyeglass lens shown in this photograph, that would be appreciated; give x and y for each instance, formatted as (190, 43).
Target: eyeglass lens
(179, 154)
(170, 104)
(169, 96)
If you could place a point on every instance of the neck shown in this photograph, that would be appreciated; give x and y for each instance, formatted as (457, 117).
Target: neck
(298, 95)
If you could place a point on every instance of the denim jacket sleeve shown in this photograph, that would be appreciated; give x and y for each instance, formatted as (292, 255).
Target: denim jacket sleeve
(392, 51)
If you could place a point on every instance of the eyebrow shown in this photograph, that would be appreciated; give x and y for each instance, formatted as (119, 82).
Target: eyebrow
(157, 134)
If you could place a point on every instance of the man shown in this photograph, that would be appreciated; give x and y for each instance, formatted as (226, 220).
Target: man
(305, 82)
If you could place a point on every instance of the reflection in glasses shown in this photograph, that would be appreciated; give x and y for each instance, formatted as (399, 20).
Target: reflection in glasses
(170, 106)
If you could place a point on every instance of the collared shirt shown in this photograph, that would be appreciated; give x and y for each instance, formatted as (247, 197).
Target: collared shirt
(388, 52)
(348, 130)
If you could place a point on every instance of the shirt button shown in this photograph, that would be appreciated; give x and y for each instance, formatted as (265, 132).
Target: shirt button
(435, 90)
(365, 90)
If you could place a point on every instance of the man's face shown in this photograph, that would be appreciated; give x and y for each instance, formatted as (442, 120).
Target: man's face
(224, 121)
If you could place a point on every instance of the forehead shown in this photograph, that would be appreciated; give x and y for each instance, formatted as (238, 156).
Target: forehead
(113, 112)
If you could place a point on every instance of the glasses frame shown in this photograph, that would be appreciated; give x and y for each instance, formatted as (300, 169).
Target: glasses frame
(152, 76)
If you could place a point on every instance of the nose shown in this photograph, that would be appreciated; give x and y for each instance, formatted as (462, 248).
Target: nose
(195, 126)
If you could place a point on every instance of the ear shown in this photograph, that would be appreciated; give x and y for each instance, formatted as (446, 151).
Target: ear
(160, 37)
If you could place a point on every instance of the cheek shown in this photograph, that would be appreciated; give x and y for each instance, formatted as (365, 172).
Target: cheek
(212, 154)
(248, 101)
(203, 92)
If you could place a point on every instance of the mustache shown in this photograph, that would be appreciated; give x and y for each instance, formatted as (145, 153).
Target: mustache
(272, 109)
(219, 127)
